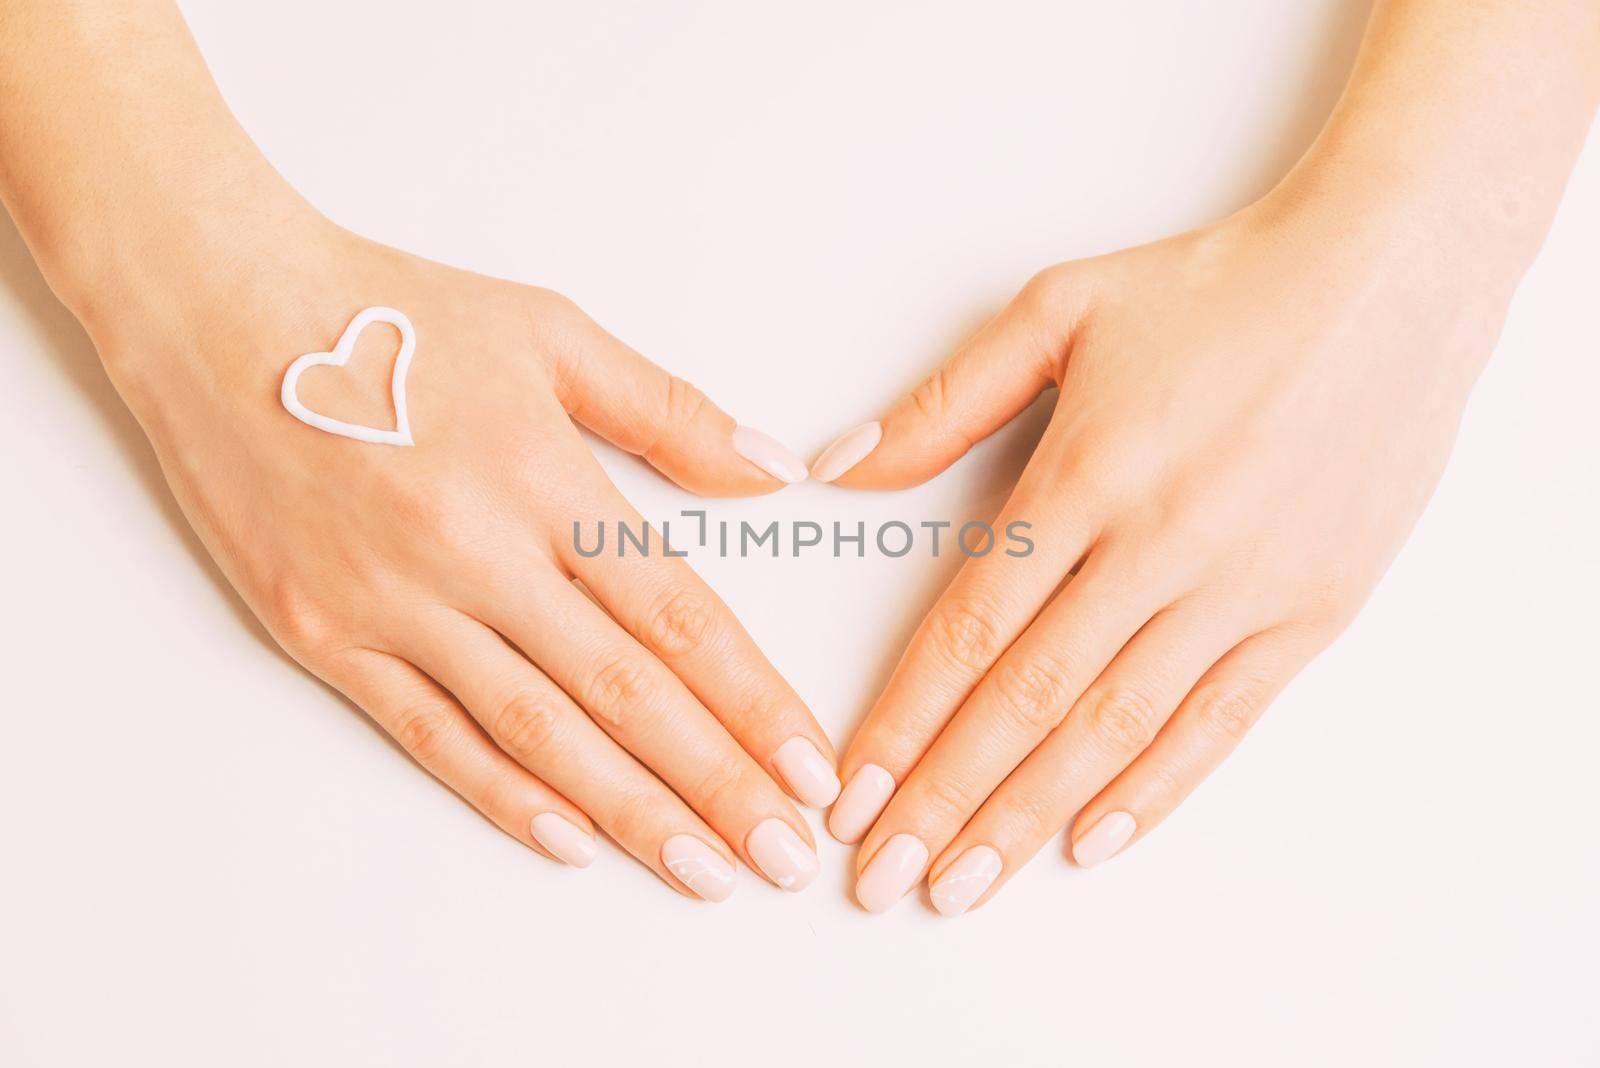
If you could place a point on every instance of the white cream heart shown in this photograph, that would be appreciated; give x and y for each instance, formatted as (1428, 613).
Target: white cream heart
(401, 434)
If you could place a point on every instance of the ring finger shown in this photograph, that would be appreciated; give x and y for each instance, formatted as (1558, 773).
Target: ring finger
(539, 727)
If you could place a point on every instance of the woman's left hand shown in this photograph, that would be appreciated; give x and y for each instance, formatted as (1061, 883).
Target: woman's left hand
(1251, 419)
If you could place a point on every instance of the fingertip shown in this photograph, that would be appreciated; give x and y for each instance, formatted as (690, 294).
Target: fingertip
(810, 775)
(1104, 839)
(847, 450)
(860, 803)
(769, 455)
(563, 839)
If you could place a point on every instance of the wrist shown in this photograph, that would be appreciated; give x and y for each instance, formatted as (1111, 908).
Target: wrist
(1384, 219)
(152, 256)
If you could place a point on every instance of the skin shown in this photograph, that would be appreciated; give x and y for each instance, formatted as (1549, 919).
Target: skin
(1251, 418)
(434, 585)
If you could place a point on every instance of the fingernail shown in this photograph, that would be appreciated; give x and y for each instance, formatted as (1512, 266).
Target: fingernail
(698, 867)
(782, 855)
(892, 873)
(769, 455)
(847, 451)
(565, 839)
(965, 881)
(1102, 841)
(807, 772)
(857, 809)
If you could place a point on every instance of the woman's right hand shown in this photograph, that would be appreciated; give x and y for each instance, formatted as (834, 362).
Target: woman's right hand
(435, 585)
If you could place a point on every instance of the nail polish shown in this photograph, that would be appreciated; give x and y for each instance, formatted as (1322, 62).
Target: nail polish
(965, 881)
(768, 454)
(782, 855)
(892, 873)
(863, 798)
(563, 838)
(848, 450)
(1102, 841)
(698, 866)
(807, 771)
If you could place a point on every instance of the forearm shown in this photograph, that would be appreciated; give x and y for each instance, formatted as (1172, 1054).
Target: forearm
(119, 161)
(1455, 137)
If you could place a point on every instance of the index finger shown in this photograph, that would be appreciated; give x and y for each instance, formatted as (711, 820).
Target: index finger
(989, 604)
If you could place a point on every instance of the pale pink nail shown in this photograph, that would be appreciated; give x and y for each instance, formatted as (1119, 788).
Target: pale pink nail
(1107, 836)
(782, 855)
(965, 881)
(892, 873)
(849, 450)
(768, 455)
(563, 838)
(858, 806)
(807, 771)
(698, 866)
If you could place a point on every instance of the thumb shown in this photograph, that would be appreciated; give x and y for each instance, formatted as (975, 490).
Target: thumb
(995, 375)
(640, 408)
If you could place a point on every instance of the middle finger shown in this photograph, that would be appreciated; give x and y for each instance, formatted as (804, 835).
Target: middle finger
(649, 711)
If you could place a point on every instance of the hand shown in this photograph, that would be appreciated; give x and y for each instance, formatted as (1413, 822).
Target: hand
(1250, 420)
(434, 585)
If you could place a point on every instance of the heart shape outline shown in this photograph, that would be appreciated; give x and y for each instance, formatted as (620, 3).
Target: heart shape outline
(401, 434)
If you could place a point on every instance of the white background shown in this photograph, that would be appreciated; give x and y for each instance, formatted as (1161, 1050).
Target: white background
(207, 858)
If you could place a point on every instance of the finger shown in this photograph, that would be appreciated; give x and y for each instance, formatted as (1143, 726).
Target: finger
(648, 710)
(995, 375)
(1029, 691)
(440, 736)
(1208, 726)
(1107, 728)
(537, 726)
(988, 605)
(677, 617)
(640, 408)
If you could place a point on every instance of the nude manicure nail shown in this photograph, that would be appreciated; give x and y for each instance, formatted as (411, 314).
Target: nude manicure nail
(767, 454)
(782, 855)
(698, 866)
(565, 839)
(847, 451)
(965, 881)
(892, 873)
(1109, 834)
(807, 771)
(858, 806)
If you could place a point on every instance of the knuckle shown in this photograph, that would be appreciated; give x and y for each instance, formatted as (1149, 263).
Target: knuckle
(425, 731)
(963, 633)
(681, 406)
(1030, 816)
(1049, 296)
(685, 402)
(1225, 714)
(942, 800)
(634, 817)
(681, 624)
(719, 788)
(1122, 720)
(297, 619)
(526, 726)
(549, 304)
(1033, 693)
(930, 397)
(446, 517)
(499, 800)
(618, 691)
(1039, 293)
